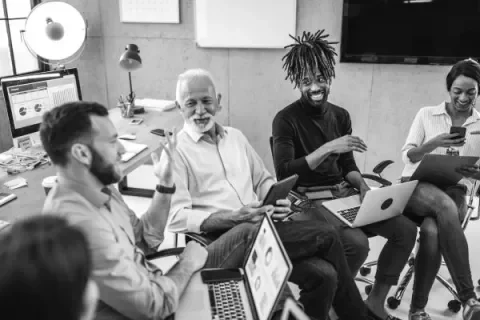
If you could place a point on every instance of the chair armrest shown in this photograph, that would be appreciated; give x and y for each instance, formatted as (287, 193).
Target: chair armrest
(165, 253)
(378, 169)
(382, 181)
(203, 240)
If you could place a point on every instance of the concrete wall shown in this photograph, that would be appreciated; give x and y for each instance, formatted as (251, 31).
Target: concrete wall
(382, 99)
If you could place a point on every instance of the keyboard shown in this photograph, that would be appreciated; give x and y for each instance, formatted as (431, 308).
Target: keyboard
(225, 300)
(349, 214)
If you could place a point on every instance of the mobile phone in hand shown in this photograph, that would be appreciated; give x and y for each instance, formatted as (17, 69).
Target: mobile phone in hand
(461, 131)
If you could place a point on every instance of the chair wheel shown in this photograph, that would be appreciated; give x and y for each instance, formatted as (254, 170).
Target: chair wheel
(368, 289)
(365, 271)
(393, 303)
(454, 306)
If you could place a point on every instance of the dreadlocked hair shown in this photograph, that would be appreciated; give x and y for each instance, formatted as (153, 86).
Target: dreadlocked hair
(309, 52)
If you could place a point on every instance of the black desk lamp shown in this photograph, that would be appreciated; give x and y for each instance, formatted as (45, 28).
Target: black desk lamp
(130, 60)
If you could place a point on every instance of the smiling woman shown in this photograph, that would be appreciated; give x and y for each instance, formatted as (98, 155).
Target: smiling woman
(14, 55)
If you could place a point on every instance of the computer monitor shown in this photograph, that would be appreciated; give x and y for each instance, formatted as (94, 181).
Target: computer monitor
(28, 96)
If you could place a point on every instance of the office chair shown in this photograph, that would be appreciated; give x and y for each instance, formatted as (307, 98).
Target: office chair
(455, 304)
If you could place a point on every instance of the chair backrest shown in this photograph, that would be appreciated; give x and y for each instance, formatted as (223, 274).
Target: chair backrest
(270, 140)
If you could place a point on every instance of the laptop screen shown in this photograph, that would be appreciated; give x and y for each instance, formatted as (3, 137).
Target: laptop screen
(267, 269)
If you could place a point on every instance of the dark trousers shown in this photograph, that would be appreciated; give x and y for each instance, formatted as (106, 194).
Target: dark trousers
(319, 266)
(400, 233)
(439, 212)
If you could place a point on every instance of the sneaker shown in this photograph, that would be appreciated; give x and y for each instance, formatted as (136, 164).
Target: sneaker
(419, 315)
(471, 310)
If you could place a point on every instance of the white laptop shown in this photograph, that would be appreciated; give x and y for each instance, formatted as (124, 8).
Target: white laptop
(250, 292)
(378, 204)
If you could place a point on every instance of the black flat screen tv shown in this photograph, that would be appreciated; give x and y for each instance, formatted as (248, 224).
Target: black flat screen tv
(410, 31)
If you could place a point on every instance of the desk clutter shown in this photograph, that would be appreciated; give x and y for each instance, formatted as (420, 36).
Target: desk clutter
(17, 160)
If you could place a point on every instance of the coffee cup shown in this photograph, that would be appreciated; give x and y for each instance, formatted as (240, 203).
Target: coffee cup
(48, 183)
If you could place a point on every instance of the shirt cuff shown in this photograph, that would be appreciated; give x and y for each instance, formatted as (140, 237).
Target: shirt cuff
(195, 220)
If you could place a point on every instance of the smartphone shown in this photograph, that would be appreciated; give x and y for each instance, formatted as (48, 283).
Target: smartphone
(220, 275)
(136, 121)
(160, 132)
(461, 131)
(280, 190)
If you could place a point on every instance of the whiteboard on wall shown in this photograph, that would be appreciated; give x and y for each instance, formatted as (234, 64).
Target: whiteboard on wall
(245, 23)
(150, 11)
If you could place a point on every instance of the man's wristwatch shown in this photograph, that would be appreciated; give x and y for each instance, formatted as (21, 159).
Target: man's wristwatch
(163, 189)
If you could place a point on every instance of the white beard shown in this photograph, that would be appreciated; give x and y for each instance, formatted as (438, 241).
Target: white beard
(191, 124)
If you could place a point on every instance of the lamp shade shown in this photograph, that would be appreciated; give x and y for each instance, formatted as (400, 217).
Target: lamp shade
(55, 32)
(130, 60)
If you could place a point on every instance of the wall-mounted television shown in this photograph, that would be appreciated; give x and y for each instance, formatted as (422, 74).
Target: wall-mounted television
(410, 31)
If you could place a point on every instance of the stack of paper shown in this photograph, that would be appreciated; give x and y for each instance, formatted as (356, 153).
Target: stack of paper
(16, 183)
(158, 104)
(131, 149)
(4, 224)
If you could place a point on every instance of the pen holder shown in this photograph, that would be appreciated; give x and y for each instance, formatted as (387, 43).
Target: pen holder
(126, 109)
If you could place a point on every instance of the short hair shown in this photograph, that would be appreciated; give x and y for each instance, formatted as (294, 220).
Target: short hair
(46, 266)
(189, 75)
(310, 51)
(65, 125)
(468, 68)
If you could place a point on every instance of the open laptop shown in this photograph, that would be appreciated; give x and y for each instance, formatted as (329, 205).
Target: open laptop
(248, 293)
(378, 204)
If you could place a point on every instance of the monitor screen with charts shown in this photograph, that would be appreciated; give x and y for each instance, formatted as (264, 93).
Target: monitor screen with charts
(29, 96)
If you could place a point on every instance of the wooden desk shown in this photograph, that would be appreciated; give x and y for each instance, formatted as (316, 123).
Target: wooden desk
(30, 199)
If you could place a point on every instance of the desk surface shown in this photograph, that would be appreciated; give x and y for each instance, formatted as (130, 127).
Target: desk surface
(30, 199)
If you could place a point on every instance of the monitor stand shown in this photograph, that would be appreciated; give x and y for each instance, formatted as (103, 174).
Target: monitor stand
(27, 141)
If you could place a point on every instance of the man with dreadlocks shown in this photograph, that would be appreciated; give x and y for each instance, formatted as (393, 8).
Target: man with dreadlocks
(312, 138)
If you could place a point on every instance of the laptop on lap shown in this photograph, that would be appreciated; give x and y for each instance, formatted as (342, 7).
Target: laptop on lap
(378, 205)
(251, 292)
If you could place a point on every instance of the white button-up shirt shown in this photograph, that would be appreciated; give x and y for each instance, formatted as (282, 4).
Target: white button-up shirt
(429, 123)
(214, 177)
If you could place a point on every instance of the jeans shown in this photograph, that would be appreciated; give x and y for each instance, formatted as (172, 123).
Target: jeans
(399, 231)
(319, 266)
(439, 214)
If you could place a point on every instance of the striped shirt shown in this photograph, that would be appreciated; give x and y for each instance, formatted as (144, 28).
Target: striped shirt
(429, 123)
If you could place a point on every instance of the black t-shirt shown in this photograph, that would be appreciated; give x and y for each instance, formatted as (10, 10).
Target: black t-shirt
(298, 130)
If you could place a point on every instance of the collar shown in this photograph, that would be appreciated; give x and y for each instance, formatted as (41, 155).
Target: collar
(197, 136)
(313, 110)
(93, 195)
(442, 109)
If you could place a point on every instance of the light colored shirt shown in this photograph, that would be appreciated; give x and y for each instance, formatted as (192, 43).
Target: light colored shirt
(429, 123)
(130, 286)
(214, 177)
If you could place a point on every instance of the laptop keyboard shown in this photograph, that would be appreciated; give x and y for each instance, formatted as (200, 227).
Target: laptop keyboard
(349, 214)
(225, 301)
